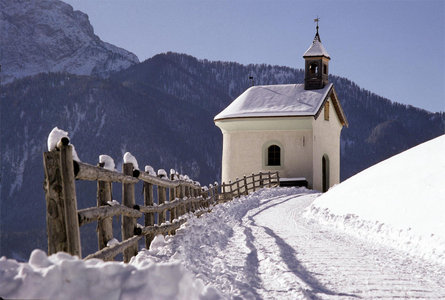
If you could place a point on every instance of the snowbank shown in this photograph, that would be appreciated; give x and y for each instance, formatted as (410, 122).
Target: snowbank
(62, 276)
(399, 202)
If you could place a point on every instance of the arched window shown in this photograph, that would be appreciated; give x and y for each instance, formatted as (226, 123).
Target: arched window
(313, 68)
(273, 155)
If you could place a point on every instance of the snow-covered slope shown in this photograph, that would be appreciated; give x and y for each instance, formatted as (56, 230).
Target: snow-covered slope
(400, 202)
(48, 36)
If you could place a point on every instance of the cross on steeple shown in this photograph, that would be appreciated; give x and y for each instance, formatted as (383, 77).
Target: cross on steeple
(317, 19)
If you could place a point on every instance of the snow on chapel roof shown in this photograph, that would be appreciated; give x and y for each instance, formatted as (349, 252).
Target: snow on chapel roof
(276, 100)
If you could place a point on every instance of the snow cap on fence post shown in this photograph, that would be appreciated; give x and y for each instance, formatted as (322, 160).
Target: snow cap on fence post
(150, 170)
(162, 174)
(55, 136)
(107, 161)
(129, 158)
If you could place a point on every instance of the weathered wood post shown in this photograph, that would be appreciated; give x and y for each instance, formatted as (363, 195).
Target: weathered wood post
(70, 201)
(269, 179)
(205, 194)
(192, 204)
(55, 207)
(215, 193)
(181, 191)
(246, 190)
(162, 197)
(231, 189)
(278, 178)
(261, 180)
(223, 191)
(104, 226)
(187, 194)
(128, 223)
(196, 194)
(253, 182)
(172, 196)
(237, 187)
(149, 217)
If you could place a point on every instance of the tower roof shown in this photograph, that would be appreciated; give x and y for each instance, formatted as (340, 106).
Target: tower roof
(316, 49)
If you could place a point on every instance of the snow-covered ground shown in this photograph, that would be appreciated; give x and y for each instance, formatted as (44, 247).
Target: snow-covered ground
(399, 202)
(283, 243)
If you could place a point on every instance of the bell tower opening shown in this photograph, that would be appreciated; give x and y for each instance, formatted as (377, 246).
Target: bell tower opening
(316, 64)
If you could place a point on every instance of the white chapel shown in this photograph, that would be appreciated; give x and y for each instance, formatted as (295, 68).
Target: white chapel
(290, 128)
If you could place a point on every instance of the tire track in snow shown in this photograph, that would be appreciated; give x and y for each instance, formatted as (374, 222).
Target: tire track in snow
(330, 265)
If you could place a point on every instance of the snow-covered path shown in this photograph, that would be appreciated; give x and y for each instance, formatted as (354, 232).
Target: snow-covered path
(261, 247)
(255, 247)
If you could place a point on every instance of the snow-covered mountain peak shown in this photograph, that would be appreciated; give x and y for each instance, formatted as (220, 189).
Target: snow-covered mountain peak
(49, 36)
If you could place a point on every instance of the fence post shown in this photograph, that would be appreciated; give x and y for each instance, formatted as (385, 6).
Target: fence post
(55, 208)
(215, 193)
(162, 197)
(69, 196)
(270, 179)
(231, 189)
(246, 191)
(128, 223)
(278, 179)
(261, 180)
(172, 196)
(105, 226)
(237, 187)
(181, 196)
(149, 217)
(223, 190)
(253, 182)
(192, 195)
(187, 194)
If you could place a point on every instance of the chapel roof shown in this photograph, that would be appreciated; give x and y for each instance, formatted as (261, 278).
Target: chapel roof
(280, 100)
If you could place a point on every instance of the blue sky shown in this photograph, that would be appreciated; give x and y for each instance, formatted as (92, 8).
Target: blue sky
(393, 48)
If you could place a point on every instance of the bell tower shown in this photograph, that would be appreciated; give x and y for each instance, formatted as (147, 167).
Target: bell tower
(316, 64)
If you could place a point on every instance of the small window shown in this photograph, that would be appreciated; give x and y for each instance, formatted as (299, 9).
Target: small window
(325, 69)
(326, 111)
(273, 155)
(313, 68)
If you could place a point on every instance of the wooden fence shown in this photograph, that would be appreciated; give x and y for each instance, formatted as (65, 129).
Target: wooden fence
(184, 197)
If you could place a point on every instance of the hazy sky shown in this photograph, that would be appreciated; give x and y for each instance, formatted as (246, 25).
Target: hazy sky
(393, 48)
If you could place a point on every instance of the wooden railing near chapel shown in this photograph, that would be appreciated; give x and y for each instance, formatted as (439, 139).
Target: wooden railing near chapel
(185, 197)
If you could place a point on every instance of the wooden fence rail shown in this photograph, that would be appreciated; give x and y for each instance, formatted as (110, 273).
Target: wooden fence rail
(185, 197)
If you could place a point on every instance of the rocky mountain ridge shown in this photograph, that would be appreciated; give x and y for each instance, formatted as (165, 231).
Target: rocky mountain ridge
(49, 36)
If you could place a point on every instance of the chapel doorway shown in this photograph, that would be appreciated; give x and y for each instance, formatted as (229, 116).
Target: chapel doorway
(325, 172)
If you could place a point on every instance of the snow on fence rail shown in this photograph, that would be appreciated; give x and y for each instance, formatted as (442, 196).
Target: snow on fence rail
(185, 197)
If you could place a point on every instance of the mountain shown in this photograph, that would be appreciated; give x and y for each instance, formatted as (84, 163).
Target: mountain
(161, 110)
(49, 36)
